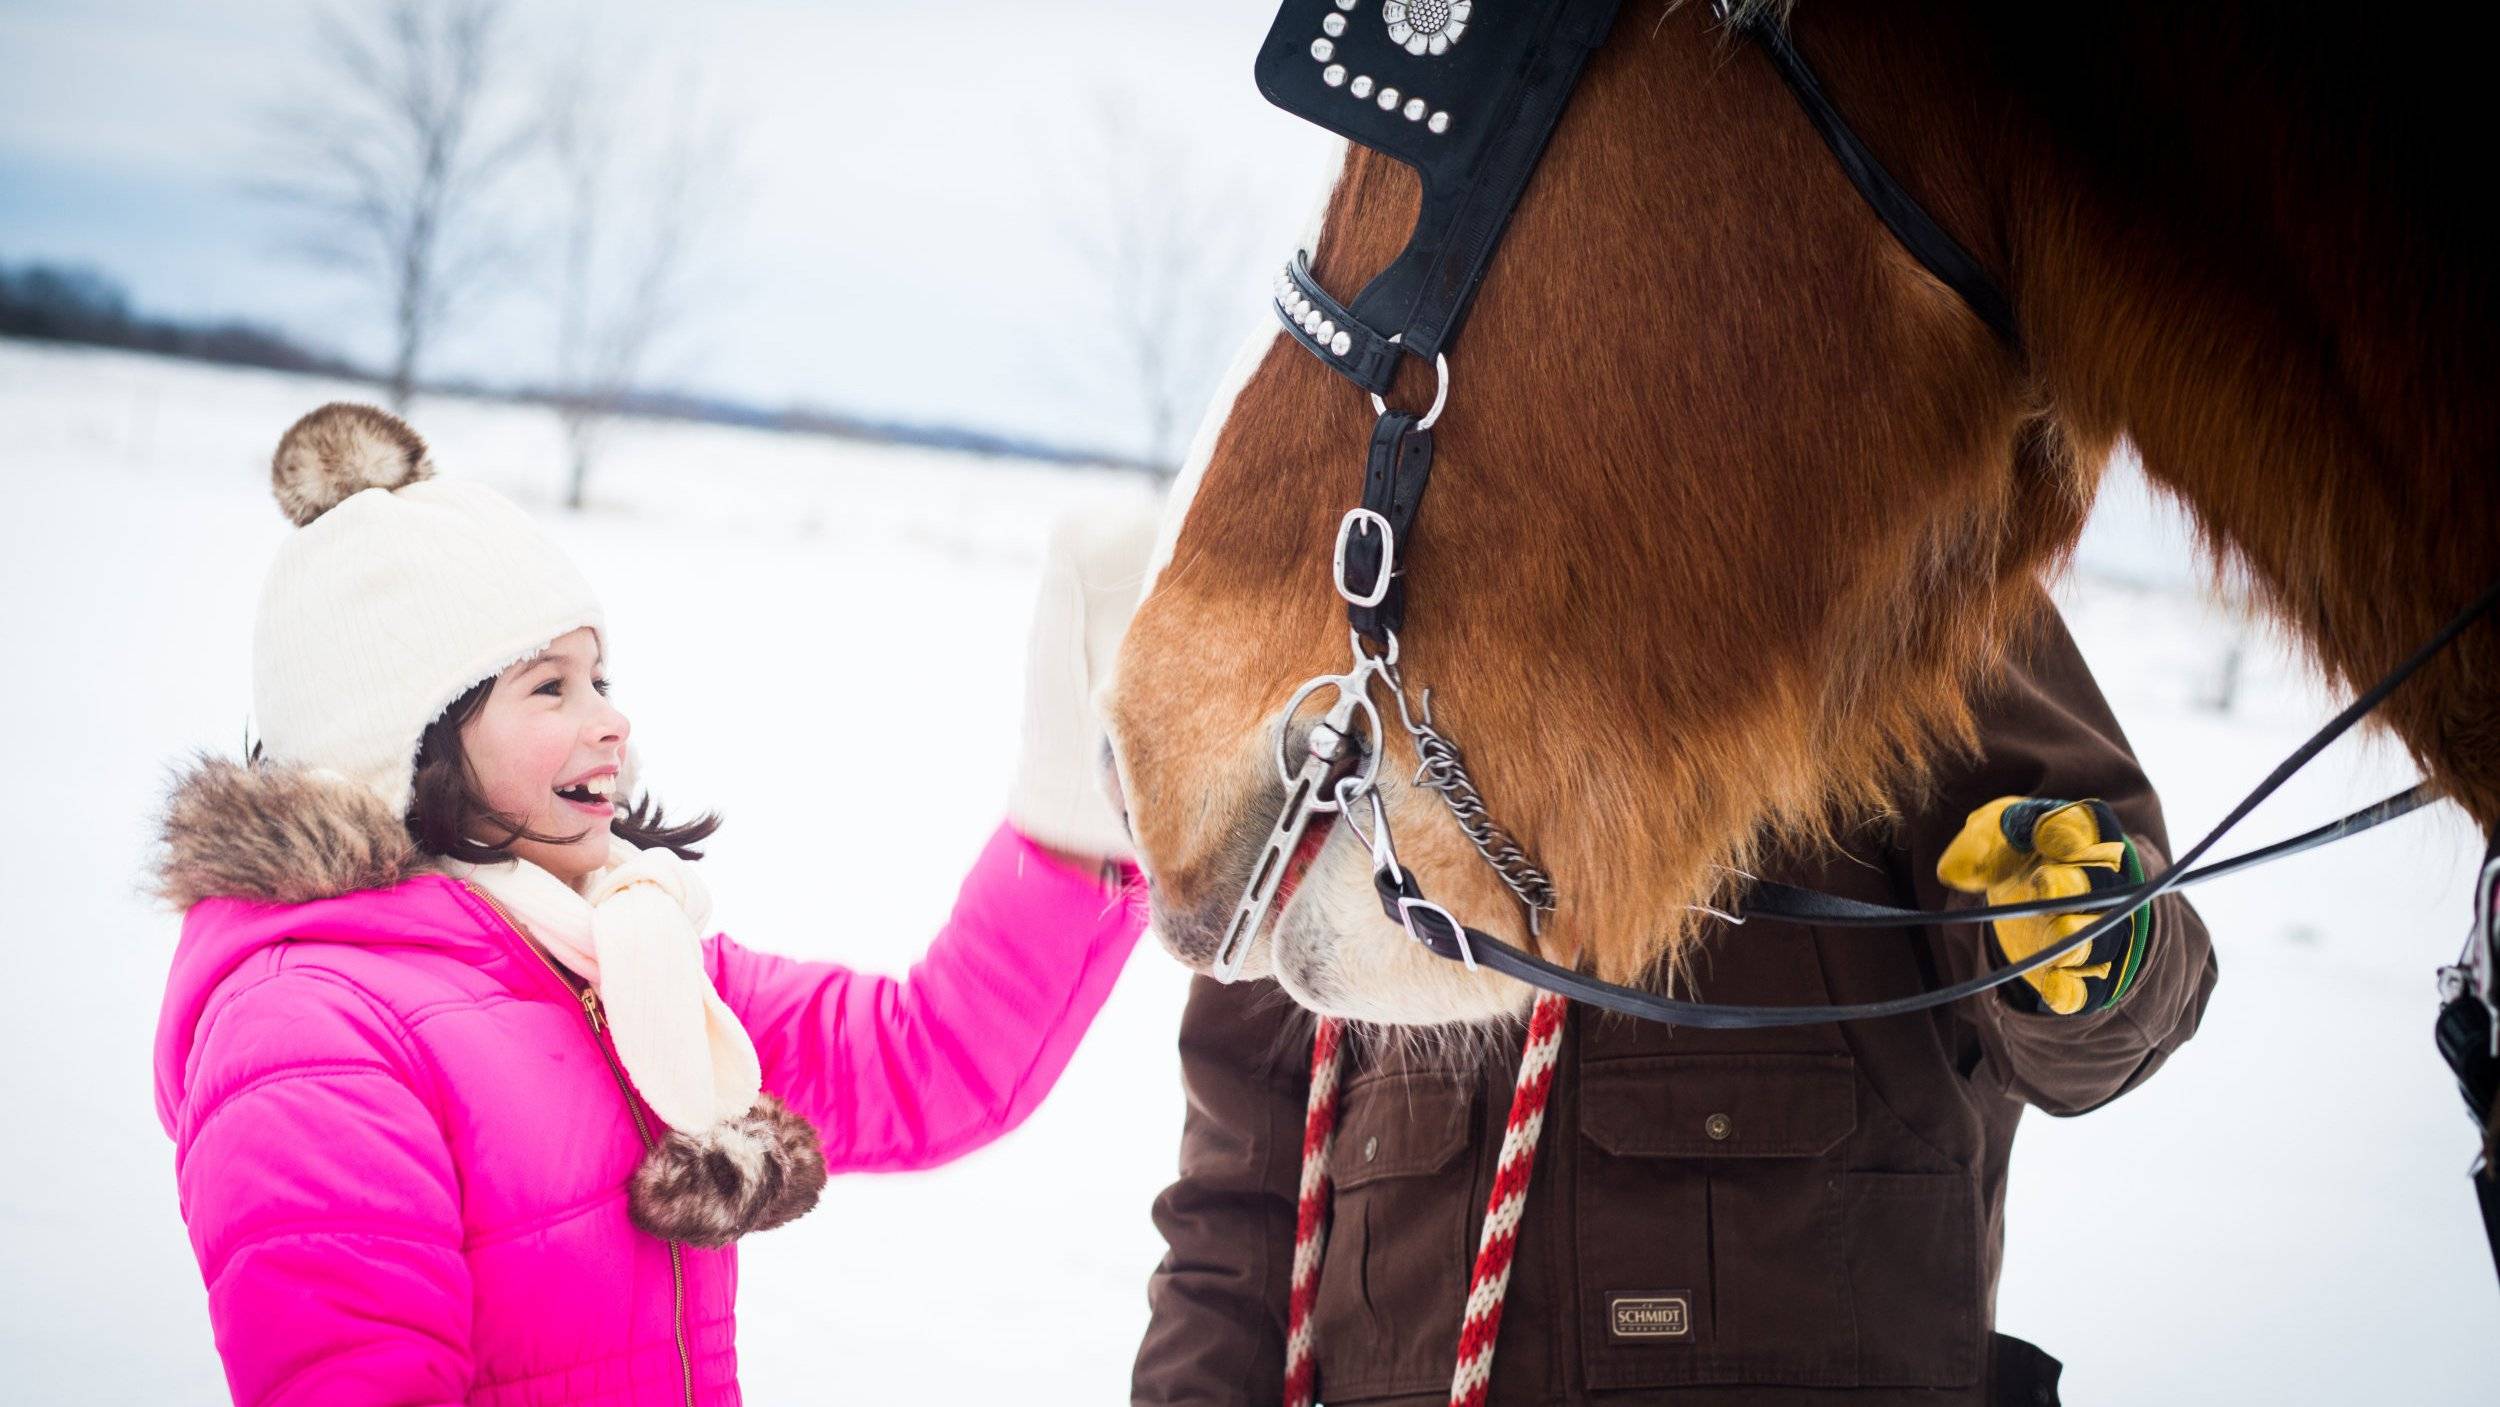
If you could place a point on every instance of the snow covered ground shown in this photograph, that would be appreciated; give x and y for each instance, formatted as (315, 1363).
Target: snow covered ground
(2280, 1217)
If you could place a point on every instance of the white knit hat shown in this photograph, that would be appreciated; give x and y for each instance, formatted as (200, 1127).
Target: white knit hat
(397, 593)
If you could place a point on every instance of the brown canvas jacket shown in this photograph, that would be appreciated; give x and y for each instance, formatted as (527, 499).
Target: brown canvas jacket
(1743, 1218)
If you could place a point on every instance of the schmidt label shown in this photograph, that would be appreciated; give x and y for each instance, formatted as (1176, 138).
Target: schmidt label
(1649, 1316)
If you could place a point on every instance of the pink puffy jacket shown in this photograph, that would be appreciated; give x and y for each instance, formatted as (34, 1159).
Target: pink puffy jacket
(402, 1143)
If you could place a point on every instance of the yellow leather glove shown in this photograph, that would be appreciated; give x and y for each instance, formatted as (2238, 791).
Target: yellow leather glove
(2019, 848)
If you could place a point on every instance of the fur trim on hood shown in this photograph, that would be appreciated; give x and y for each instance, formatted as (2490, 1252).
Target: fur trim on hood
(277, 834)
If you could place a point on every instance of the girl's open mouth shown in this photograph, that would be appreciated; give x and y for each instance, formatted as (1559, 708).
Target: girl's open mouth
(592, 796)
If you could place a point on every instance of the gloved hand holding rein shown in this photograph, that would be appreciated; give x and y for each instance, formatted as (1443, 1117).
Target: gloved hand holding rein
(2019, 848)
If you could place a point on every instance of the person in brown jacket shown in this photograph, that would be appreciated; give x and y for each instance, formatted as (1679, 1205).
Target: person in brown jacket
(1740, 1218)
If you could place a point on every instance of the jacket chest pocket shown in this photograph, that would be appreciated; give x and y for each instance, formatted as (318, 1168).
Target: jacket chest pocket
(1721, 1242)
(1394, 1274)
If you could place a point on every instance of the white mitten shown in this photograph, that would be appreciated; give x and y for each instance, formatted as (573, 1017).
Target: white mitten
(1090, 582)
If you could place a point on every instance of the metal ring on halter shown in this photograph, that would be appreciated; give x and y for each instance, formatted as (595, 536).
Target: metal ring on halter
(1388, 555)
(1440, 390)
(1346, 684)
(1387, 661)
(1406, 916)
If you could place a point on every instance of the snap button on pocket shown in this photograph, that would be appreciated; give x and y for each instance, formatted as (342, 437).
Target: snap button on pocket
(1718, 1126)
(1371, 1148)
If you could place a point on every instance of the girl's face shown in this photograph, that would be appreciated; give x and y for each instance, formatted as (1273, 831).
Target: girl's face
(544, 750)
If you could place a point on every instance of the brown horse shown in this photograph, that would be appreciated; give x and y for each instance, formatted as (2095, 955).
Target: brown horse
(1733, 500)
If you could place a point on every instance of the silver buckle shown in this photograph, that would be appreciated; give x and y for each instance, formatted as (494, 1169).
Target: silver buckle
(1388, 556)
(1406, 916)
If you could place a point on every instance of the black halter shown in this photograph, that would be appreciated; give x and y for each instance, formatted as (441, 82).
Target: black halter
(1473, 120)
(1472, 115)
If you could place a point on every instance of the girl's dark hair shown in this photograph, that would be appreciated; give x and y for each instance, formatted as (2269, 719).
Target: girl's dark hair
(445, 808)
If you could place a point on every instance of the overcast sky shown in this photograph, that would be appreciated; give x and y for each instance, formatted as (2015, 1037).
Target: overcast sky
(912, 170)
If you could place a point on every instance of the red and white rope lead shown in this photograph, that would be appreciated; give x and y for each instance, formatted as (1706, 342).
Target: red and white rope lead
(1310, 1218)
(1491, 1278)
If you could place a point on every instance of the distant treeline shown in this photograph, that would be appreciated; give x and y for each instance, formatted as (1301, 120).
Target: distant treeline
(53, 303)
(58, 303)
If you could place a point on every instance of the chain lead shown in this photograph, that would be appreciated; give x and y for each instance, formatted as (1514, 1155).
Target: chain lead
(1443, 770)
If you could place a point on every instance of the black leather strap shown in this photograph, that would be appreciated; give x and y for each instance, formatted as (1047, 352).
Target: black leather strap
(1394, 479)
(1331, 333)
(1771, 899)
(1443, 937)
(1402, 899)
(1901, 213)
(1787, 903)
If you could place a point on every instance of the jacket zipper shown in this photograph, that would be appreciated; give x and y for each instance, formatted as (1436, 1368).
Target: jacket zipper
(589, 999)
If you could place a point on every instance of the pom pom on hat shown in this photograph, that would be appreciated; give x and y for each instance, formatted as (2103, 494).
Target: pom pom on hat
(340, 451)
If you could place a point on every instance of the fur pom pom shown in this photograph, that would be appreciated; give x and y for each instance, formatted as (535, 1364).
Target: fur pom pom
(339, 451)
(751, 1174)
(275, 834)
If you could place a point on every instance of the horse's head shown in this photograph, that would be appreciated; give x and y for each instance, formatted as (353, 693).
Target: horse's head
(1730, 499)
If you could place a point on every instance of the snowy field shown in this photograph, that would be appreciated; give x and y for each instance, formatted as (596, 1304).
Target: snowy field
(823, 640)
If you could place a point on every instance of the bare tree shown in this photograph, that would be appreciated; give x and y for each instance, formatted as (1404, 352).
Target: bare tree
(2226, 684)
(1173, 258)
(634, 212)
(2236, 606)
(391, 158)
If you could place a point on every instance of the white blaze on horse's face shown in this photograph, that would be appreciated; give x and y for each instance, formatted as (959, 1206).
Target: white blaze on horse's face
(1245, 364)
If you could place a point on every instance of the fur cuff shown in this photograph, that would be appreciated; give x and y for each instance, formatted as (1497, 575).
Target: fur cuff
(753, 1173)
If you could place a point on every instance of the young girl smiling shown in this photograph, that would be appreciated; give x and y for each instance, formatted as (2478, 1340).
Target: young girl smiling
(468, 1103)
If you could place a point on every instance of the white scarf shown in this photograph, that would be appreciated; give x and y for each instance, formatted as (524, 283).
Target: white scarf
(634, 931)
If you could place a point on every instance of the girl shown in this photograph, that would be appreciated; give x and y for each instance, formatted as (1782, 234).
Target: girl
(465, 1105)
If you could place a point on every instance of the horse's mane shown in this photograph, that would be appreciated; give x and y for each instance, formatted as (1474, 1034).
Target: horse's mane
(1725, 567)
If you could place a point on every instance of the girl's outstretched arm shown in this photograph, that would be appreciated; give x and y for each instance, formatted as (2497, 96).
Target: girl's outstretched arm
(912, 1072)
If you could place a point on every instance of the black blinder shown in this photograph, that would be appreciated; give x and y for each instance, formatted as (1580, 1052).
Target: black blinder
(1464, 91)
